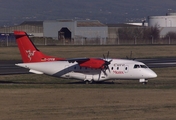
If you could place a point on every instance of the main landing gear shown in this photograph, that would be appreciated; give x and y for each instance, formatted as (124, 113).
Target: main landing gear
(88, 81)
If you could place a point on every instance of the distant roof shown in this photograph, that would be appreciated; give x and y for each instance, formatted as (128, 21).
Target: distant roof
(33, 23)
(65, 20)
(122, 25)
(89, 23)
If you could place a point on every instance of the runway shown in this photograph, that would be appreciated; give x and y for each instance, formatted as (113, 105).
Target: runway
(7, 67)
(159, 62)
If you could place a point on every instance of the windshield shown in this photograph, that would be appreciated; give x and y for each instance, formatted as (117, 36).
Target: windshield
(140, 66)
(143, 66)
(136, 66)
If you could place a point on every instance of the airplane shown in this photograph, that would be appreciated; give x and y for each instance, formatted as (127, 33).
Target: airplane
(86, 69)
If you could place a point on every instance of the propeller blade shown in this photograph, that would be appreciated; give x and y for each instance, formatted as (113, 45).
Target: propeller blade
(106, 64)
(104, 56)
(108, 55)
(131, 55)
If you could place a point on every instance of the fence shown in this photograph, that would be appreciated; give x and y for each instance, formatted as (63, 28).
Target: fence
(94, 41)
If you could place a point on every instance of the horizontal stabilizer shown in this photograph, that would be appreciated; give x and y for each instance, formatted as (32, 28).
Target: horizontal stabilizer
(35, 71)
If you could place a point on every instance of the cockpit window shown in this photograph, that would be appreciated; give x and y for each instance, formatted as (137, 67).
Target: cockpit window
(143, 66)
(136, 66)
(140, 66)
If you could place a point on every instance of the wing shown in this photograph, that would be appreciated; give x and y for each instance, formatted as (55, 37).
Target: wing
(96, 63)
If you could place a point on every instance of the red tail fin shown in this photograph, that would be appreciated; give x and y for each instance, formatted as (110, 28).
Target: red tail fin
(28, 51)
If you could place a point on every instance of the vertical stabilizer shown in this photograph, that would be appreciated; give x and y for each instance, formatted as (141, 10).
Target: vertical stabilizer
(28, 50)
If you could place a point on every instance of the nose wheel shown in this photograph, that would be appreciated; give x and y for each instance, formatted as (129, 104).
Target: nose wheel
(143, 81)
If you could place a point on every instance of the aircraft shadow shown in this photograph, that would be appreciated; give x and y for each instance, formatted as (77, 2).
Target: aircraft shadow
(50, 83)
(6, 82)
(82, 82)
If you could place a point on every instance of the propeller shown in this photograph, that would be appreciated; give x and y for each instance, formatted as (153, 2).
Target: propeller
(105, 66)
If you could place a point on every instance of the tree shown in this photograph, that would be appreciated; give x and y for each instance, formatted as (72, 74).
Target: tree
(171, 35)
(138, 32)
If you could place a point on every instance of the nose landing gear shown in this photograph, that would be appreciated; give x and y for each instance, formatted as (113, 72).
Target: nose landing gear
(143, 81)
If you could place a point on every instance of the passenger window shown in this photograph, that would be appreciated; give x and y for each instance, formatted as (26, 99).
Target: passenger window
(117, 68)
(126, 68)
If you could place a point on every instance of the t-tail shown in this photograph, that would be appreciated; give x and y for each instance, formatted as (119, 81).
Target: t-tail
(28, 50)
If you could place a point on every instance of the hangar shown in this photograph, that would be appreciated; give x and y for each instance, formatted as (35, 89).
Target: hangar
(32, 27)
(74, 30)
(66, 30)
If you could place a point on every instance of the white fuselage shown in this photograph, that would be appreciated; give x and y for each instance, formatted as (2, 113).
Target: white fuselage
(118, 69)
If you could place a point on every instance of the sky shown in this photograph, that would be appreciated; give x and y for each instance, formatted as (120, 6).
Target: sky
(13, 12)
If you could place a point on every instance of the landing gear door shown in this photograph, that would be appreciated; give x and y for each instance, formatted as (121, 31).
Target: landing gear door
(126, 68)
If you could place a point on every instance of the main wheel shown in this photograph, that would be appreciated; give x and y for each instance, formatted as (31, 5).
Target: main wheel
(89, 82)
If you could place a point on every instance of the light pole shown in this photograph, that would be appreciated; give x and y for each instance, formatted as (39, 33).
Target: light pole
(135, 40)
(7, 39)
(152, 39)
(169, 40)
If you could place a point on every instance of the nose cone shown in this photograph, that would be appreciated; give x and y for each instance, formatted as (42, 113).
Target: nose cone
(152, 74)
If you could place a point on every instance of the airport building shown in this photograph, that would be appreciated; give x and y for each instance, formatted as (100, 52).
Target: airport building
(87, 30)
(165, 23)
(32, 27)
(71, 29)
(62, 29)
